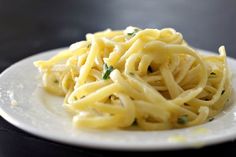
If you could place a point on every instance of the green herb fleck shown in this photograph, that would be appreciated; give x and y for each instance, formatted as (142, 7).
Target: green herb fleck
(105, 67)
(133, 33)
(89, 45)
(131, 73)
(75, 98)
(182, 119)
(130, 33)
(82, 97)
(212, 73)
(106, 71)
(56, 81)
(223, 91)
(211, 119)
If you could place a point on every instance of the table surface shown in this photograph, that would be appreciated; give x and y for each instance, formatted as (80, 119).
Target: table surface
(29, 27)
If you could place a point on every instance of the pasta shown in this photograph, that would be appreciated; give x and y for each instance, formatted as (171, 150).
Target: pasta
(149, 78)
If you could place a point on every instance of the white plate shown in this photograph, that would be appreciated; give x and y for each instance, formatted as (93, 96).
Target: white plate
(26, 105)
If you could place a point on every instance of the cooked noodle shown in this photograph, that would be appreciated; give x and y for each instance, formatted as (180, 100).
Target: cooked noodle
(149, 77)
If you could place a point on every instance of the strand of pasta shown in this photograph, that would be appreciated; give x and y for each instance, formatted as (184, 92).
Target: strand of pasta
(151, 77)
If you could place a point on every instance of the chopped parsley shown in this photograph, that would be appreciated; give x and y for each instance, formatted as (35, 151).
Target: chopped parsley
(82, 97)
(89, 45)
(106, 71)
(133, 33)
(131, 73)
(182, 119)
(130, 34)
(56, 81)
(212, 73)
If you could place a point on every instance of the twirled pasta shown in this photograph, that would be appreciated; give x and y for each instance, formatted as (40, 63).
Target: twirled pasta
(151, 78)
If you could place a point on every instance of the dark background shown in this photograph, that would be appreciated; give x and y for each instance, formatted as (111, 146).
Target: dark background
(28, 27)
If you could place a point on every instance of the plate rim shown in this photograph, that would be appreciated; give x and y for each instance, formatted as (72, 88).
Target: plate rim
(35, 132)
